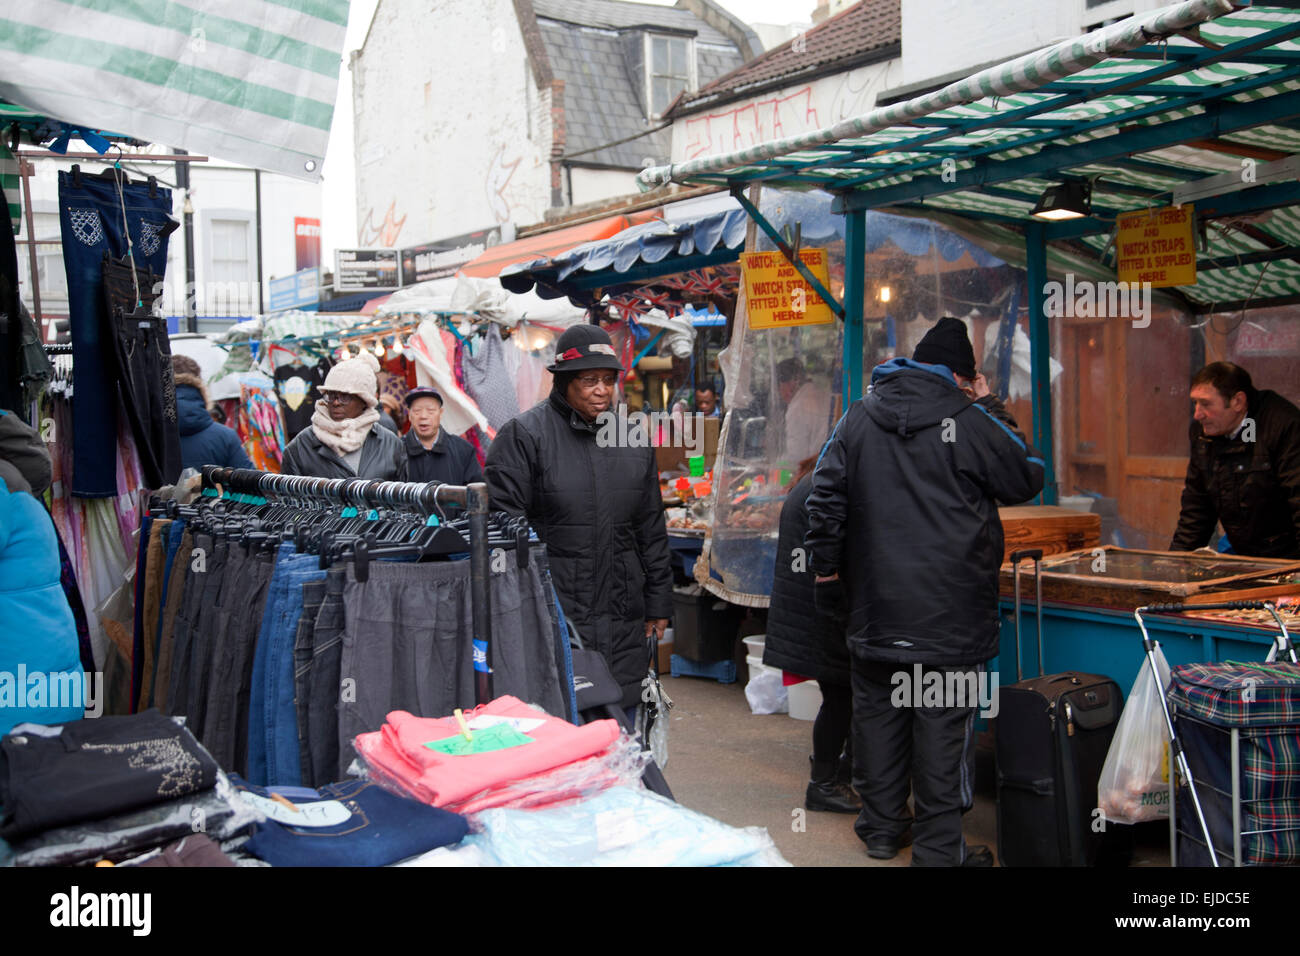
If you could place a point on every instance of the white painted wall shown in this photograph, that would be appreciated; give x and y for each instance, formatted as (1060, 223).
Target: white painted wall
(593, 185)
(785, 112)
(451, 133)
(945, 36)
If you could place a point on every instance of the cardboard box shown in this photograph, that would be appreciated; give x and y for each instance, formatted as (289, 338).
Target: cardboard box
(672, 456)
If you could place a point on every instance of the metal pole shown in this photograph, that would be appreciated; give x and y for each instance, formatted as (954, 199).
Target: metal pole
(257, 202)
(187, 228)
(480, 606)
(855, 241)
(25, 169)
(1040, 355)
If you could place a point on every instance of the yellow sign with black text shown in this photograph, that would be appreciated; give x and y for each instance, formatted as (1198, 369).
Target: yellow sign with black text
(1157, 246)
(778, 296)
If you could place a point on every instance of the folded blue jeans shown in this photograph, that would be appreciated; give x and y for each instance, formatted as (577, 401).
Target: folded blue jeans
(372, 827)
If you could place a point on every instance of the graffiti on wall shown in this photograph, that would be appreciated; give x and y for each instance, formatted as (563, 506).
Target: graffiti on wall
(497, 183)
(384, 235)
(751, 123)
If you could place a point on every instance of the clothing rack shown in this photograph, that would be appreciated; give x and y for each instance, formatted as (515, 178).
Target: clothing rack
(426, 498)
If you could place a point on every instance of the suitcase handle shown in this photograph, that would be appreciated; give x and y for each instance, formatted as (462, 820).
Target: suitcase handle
(1035, 555)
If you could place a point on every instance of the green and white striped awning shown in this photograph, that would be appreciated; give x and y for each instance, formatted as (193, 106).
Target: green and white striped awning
(1140, 109)
(250, 81)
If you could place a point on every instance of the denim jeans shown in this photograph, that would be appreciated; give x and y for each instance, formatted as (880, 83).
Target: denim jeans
(142, 370)
(313, 595)
(326, 658)
(91, 224)
(272, 715)
(381, 828)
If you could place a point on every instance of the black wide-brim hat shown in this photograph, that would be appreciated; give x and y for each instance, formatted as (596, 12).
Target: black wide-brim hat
(583, 347)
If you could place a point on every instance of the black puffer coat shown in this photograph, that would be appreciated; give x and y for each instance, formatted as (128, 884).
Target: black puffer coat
(1252, 488)
(904, 507)
(600, 513)
(801, 639)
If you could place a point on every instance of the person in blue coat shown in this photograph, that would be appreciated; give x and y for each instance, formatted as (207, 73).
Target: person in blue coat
(41, 680)
(203, 441)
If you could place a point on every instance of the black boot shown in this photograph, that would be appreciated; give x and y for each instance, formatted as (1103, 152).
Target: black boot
(825, 793)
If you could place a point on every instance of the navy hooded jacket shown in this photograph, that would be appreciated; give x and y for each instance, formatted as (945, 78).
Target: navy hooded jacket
(904, 508)
(203, 441)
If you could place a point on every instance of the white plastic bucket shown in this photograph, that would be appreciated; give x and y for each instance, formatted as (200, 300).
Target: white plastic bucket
(805, 700)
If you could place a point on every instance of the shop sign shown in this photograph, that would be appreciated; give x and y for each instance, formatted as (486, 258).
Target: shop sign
(437, 260)
(778, 296)
(365, 270)
(1157, 246)
(1259, 338)
(295, 291)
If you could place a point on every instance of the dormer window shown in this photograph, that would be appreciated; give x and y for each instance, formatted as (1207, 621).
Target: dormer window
(670, 68)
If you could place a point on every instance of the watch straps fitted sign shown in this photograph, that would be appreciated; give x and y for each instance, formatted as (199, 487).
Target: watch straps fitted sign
(1157, 246)
(778, 296)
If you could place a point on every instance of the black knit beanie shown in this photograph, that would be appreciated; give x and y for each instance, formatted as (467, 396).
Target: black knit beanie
(947, 344)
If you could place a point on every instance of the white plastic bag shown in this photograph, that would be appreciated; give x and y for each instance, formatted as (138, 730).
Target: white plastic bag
(766, 693)
(1134, 783)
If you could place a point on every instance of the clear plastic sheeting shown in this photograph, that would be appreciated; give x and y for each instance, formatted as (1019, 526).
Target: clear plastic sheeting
(785, 386)
(621, 827)
(620, 764)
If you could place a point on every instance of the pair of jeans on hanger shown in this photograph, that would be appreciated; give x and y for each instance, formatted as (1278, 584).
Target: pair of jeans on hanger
(96, 216)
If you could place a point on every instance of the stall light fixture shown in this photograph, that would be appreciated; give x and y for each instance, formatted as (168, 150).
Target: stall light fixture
(1071, 199)
(885, 293)
(379, 348)
(397, 345)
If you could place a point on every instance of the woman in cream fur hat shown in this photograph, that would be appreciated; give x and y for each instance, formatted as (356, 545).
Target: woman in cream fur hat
(345, 439)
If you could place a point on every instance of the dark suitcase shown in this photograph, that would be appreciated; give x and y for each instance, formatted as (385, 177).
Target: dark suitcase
(1052, 733)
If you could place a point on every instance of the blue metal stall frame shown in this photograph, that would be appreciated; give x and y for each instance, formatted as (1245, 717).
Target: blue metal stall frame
(1120, 109)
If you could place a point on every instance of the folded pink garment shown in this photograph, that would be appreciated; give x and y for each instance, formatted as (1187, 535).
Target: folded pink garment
(440, 779)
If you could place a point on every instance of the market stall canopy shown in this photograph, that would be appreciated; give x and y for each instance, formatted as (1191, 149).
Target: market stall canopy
(482, 297)
(496, 258)
(635, 258)
(249, 81)
(1196, 102)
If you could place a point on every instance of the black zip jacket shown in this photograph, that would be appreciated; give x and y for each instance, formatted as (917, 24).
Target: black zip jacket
(800, 638)
(382, 457)
(601, 516)
(904, 508)
(1252, 488)
(451, 460)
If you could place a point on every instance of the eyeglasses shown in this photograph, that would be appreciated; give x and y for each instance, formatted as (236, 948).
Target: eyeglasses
(337, 398)
(588, 382)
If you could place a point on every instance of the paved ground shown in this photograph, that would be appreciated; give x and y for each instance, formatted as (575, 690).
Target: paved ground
(748, 770)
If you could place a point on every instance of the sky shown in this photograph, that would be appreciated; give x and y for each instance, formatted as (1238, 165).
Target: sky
(338, 206)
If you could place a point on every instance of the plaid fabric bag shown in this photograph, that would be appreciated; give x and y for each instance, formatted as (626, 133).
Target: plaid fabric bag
(1263, 702)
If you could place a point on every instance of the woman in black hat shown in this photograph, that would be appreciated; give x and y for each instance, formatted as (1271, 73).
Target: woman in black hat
(594, 502)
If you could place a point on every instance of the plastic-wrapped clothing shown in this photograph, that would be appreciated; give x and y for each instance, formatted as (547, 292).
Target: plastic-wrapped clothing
(623, 826)
(438, 778)
(217, 812)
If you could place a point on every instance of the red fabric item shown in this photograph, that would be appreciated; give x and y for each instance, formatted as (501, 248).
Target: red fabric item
(789, 679)
(439, 779)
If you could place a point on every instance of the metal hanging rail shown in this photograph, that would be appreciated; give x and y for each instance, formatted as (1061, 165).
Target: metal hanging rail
(364, 492)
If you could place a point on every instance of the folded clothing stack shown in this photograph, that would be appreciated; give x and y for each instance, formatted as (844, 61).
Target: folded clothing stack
(479, 764)
(356, 823)
(109, 788)
(623, 826)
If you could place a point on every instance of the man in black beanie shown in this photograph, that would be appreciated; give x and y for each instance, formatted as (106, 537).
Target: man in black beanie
(904, 530)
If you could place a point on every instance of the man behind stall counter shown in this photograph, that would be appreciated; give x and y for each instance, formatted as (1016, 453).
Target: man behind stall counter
(1244, 467)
